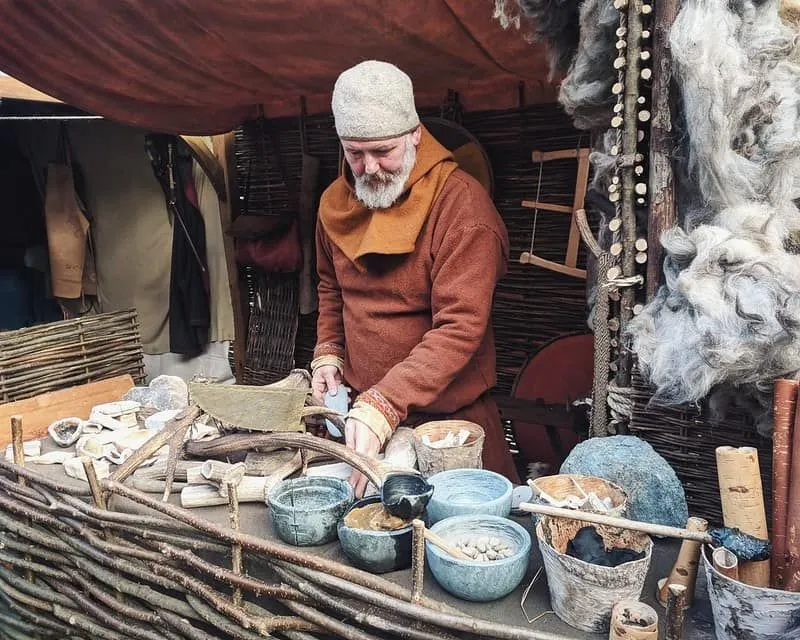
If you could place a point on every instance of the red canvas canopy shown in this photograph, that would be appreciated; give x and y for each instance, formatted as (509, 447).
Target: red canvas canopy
(202, 66)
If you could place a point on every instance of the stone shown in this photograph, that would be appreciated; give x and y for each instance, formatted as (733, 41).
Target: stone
(162, 394)
(654, 492)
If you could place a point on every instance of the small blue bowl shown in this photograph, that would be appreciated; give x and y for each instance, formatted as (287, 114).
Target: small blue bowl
(375, 551)
(306, 511)
(461, 492)
(473, 580)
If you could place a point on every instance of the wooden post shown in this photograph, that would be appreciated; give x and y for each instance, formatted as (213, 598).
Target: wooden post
(223, 148)
(662, 187)
(792, 555)
(784, 406)
(673, 629)
(685, 570)
(236, 549)
(18, 446)
(94, 484)
(628, 231)
(743, 504)
(417, 560)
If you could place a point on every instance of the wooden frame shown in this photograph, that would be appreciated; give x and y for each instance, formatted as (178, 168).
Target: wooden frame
(570, 265)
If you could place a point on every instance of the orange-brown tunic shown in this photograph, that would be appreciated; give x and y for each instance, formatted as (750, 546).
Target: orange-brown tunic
(405, 297)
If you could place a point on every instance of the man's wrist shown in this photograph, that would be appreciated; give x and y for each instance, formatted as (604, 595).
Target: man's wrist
(373, 418)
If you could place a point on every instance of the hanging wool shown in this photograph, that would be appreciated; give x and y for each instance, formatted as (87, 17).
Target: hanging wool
(727, 320)
(556, 23)
(585, 92)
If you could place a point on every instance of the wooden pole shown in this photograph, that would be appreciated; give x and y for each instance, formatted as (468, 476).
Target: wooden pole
(784, 406)
(236, 549)
(743, 504)
(627, 166)
(417, 560)
(685, 570)
(18, 445)
(662, 186)
(792, 554)
(673, 629)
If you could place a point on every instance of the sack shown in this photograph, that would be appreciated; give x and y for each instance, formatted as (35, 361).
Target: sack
(268, 244)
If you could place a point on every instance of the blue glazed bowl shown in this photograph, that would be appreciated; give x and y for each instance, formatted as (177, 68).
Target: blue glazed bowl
(460, 492)
(473, 580)
(306, 511)
(375, 551)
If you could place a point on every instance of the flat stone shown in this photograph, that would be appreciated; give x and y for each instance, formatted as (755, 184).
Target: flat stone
(654, 492)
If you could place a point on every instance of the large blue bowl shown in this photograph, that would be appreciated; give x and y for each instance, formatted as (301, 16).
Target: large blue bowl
(473, 580)
(375, 551)
(461, 492)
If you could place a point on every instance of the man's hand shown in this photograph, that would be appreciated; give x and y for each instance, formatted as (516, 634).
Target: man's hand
(326, 379)
(363, 440)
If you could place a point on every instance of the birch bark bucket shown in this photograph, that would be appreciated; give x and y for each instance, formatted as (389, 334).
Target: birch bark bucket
(583, 594)
(433, 460)
(744, 611)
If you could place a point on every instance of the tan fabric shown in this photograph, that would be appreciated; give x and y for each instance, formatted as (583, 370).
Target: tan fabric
(222, 325)
(358, 231)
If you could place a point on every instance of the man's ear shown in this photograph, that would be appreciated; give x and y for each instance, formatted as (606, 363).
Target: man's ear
(416, 136)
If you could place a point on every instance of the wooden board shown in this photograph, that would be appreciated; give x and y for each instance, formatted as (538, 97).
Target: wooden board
(39, 412)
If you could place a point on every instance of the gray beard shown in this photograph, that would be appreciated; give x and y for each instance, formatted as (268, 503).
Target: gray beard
(390, 186)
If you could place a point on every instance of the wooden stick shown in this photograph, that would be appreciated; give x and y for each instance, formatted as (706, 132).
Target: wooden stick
(673, 629)
(685, 570)
(726, 562)
(445, 546)
(18, 448)
(743, 504)
(181, 422)
(662, 187)
(417, 560)
(236, 549)
(784, 406)
(94, 483)
(597, 518)
(18, 445)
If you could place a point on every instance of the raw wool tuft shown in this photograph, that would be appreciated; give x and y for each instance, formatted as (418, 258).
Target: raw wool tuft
(726, 322)
(585, 92)
(556, 23)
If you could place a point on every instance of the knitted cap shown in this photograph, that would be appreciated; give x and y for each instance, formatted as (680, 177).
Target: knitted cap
(373, 101)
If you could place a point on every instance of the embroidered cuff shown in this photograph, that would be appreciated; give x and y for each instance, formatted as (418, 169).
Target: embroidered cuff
(373, 418)
(376, 400)
(328, 349)
(336, 361)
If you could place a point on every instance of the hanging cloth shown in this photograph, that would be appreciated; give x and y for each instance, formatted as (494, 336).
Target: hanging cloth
(189, 306)
(67, 230)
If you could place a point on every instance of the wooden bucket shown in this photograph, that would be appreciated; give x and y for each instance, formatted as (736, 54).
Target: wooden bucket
(466, 456)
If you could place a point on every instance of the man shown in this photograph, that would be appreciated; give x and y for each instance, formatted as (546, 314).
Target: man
(409, 250)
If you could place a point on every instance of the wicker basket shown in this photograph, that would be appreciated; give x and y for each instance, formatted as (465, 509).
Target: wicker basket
(466, 456)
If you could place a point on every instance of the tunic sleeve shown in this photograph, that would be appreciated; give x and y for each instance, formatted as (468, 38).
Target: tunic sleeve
(330, 327)
(470, 259)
